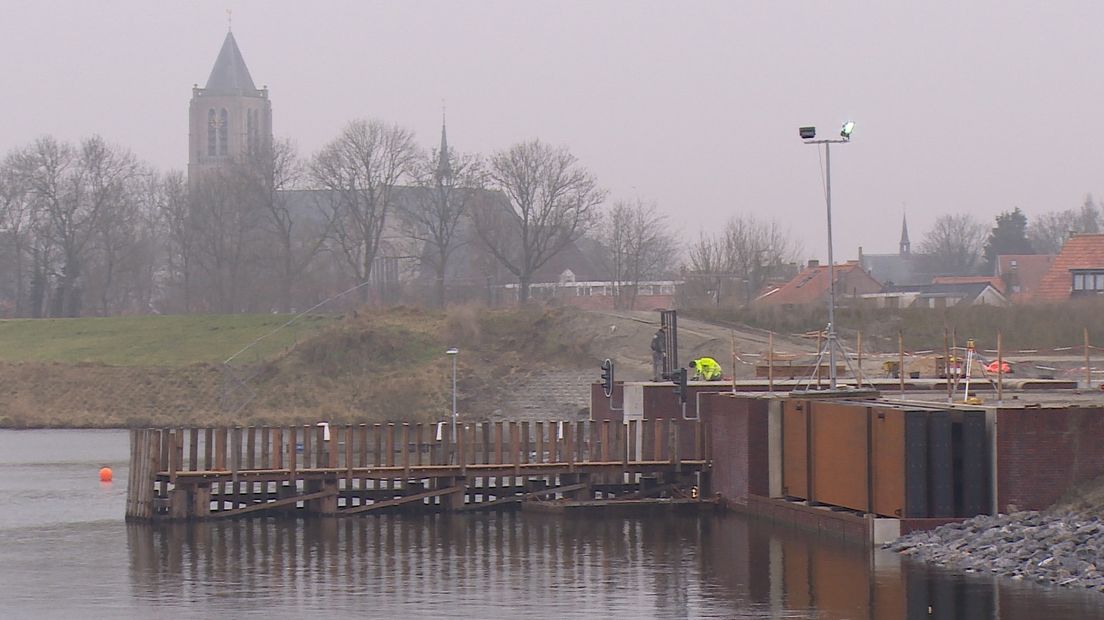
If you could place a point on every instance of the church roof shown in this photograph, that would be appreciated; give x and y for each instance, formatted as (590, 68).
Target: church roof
(230, 73)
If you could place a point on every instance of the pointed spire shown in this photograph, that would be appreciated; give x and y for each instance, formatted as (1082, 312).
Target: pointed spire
(230, 74)
(906, 247)
(444, 168)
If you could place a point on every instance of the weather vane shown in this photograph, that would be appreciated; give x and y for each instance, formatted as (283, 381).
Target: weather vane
(229, 20)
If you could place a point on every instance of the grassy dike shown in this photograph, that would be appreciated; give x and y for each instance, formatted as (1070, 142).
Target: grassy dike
(365, 367)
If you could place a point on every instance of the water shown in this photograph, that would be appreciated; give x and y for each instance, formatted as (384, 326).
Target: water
(65, 551)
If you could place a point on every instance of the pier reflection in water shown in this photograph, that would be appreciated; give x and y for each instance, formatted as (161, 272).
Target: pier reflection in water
(551, 566)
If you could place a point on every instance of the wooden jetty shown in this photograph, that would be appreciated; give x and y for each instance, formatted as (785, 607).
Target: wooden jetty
(329, 470)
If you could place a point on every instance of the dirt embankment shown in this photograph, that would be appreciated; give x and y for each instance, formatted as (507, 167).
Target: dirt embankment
(370, 366)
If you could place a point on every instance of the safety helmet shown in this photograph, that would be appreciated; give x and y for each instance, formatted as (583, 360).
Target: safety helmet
(693, 363)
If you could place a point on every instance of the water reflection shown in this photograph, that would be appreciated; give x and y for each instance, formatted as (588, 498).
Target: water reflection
(505, 565)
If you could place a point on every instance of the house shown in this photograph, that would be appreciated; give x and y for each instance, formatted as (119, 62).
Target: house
(810, 286)
(1077, 271)
(937, 295)
(1022, 274)
(994, 281)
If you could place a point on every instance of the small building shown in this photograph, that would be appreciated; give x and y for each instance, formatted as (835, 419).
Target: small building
(937, 295)
(810, 286)
(1077, 271)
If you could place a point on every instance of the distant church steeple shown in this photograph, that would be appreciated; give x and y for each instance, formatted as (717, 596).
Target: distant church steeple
(229, 118)
(444, 167)
(906, 247)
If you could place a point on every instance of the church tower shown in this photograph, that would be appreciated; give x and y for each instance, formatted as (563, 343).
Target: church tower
(229, 119)
(906, 247)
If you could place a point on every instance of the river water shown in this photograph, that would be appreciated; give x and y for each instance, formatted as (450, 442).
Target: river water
(66, 552)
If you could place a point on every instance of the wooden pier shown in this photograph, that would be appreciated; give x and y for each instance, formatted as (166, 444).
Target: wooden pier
(328, 470)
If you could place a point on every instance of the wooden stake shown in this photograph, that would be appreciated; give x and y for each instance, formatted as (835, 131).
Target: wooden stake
(770, 362)
(1088, 368)
(901, 361)
(858, 363)
(817, 370)
(1000, 368)
(733, 333)
(947, 363)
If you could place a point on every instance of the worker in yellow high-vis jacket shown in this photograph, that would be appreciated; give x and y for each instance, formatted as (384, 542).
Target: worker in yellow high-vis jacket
(706, 369)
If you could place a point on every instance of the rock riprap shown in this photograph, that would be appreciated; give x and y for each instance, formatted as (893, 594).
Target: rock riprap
(1066, 549)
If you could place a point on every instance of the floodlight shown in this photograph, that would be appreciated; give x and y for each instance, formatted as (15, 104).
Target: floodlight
(848, 127)
(452, 351)
(807, 133)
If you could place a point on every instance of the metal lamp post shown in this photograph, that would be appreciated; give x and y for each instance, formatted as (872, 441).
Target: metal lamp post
(453, 352)
(809, 134)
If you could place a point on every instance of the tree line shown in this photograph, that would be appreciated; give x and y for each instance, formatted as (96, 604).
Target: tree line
(962, 244)
(87, 229)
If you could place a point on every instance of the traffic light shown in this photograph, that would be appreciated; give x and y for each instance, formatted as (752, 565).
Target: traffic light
(607, 378)
(679, 377)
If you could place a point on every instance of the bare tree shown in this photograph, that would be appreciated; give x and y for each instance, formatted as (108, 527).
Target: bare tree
(955, 242)
(551, 201)
(361, 169)
(744, 253)
(639, 245)
(1048, 232)
(227, 239)
(75, 188)
(446, 185)
(269, 175)
(175, 217)
(17, 218)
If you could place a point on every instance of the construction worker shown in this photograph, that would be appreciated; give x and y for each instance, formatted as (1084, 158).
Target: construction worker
(706, 369)
(659, 353)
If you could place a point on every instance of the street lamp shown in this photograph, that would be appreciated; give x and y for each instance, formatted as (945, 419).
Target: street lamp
(808, 134)
(453, 352)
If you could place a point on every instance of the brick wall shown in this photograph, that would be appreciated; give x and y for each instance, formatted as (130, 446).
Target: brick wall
(1042, 452)
(738, 441)
(600, 405)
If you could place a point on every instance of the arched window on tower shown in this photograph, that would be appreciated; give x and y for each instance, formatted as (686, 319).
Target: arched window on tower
(212, 134)
(223, 132)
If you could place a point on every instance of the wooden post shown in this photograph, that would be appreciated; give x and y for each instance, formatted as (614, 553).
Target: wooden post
(770, 362)
(278, 448)
(251, 447)
(630, 454)
(1088, 366)
(193, 449)
(947, 364)
(266, 447)
(1000, 368)
(901, 361)
(406, 450)
(292, 453)
(208, 448)
(733, 334)
(858, 363)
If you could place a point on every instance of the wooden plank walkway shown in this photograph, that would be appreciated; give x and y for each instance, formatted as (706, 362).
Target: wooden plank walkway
(192, 473)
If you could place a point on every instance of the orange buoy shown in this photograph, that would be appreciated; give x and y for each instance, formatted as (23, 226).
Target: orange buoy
(105, 474)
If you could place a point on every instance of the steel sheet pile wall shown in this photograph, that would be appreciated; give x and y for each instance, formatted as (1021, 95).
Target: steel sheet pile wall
(884, 459)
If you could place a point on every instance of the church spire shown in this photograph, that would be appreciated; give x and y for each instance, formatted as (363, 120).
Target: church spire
(444, 168)
(906, 247)
(230, 75)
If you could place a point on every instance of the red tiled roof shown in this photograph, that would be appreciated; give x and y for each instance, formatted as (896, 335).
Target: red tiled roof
(1027, 273)
(1079, 252)
(993, 281)
(811, 285)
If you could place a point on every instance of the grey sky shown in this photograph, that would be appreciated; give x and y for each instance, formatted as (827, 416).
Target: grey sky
(977, 106)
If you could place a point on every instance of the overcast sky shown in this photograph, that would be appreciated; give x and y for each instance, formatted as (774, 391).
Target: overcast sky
(975, 106)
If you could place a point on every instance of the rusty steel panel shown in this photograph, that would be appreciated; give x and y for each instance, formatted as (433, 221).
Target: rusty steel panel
(795, 463)
(796, 573)
(887, 430)
(839, 449)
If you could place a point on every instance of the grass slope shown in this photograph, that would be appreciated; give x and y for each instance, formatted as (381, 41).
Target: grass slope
(170, 341)
(365, 367)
